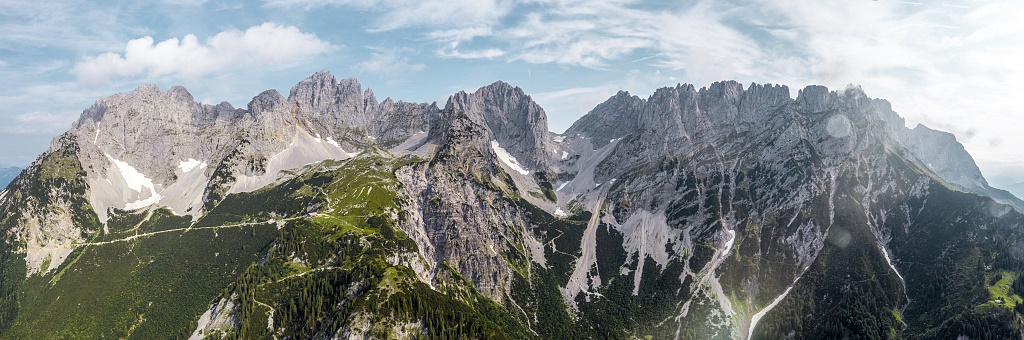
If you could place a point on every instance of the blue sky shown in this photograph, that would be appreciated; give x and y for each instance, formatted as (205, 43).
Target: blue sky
(952, 65)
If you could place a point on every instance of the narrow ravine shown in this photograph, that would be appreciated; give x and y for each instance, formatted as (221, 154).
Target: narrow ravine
(889, 261)
(903, 282)
(757, 316)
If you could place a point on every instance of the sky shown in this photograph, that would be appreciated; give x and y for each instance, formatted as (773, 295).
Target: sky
(951, 65)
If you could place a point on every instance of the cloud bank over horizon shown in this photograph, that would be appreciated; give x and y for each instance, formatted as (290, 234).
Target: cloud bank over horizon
(259, 46)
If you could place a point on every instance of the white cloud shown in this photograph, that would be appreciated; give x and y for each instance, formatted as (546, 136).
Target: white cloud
(457, 35)
(266, 45)
(388, 63)
(58, 24)
(185, 2)
(40, 122)
(314, 4)
(452, 13)
(489, 53)
(599, 34)
(571, 33)
(395, 14)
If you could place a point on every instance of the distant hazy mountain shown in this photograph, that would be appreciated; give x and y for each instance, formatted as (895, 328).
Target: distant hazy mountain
(724, 212)
(1017, 189)
(1009, 184)
(7, 175)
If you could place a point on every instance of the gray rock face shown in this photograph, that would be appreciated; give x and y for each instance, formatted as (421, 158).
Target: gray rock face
(158, 135)
(682, 177)
(512, 118)
(150, 148)
(680, 119)
(721, 100)
(704, 165)
(942, 153)
(399, 120)
(612, 119)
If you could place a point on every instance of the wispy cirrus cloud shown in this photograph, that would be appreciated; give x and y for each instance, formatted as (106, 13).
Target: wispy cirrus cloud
(40, 122)
(388, 62)
(62, 25)
(592, 34)
(395, 14)
(263, 45)
(952, 66)
(595, 34)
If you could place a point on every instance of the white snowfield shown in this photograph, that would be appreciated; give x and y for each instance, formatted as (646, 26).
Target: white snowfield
(333, 142)
(129, 189)
(760, 314)
(304, 149)
(136, 181)
(560, 213)
(506, 158)
(191, 163)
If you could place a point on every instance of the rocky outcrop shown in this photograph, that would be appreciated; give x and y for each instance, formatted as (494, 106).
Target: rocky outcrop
(512, 119)
(612, 119)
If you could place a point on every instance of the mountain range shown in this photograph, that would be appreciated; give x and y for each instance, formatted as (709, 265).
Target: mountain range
(725, 212)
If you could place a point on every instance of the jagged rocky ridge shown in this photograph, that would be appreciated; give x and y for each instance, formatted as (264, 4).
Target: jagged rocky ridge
(721, 212)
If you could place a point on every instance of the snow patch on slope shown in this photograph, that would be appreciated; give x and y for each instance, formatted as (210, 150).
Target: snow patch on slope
(891, 265)
(303, 150)
(760, 314)
(335, 143)
(560, 213)
(190, 164)
(507, 158)
(136, 181)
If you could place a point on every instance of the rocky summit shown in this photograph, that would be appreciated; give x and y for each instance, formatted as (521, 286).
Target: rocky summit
(724, 212)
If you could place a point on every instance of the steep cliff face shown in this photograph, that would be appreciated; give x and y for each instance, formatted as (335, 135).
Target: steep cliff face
(720, 212)
(512, 119)
(612, 119)
(731, 202)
